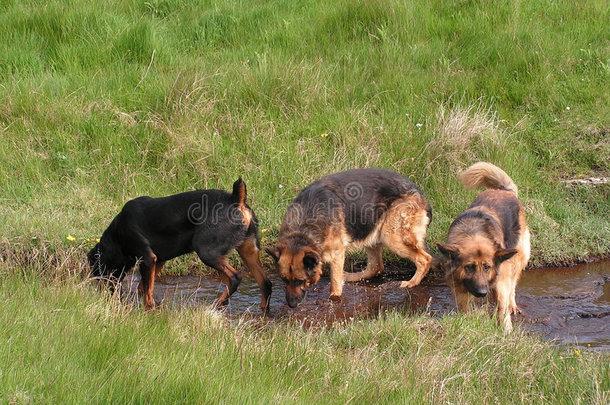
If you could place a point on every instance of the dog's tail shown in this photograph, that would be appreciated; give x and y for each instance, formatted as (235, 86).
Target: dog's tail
(239, 192)
(483, 174)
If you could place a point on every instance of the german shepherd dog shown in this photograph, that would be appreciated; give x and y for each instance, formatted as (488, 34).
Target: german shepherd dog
(153, 230)
(488, 244)
(360, 208)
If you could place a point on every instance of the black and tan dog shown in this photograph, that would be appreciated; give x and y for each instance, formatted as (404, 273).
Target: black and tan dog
(153, 230)
(488, 244)
(361, 208)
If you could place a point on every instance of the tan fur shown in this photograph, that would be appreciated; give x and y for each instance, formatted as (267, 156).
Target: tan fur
(247, 214)
(402, 229)
(483, 174)
(241, 203)
(481, 250)
(374, 265)
(502, 283)
(294, 262)
(308, 240)
(249, 253)
(291, 268)
(158, 269)
(404, 233)
(508, 277)
(148, 288)
(337, 261)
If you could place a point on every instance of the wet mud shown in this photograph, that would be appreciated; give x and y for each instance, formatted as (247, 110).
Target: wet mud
(566, 305)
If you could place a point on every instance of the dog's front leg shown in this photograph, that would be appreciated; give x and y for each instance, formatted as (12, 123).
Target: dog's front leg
(503, 292)
(463, 300)
(148, 270)
(336, 274)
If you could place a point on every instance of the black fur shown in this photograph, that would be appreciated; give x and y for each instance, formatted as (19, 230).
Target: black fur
(360, 195)
(507, 210)
(479, 222)
(207, 222)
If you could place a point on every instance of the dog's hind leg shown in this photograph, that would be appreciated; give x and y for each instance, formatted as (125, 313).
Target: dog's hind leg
(374, 265)
(422, 261)
(417, 253)
(404, 233)
(249, 253)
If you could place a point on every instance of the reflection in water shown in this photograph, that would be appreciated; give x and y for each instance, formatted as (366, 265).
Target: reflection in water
(570, 305)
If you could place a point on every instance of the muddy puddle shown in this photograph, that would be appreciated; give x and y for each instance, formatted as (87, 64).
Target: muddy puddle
(567, 305)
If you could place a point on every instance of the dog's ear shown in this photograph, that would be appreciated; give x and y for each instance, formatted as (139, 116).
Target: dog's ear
(503, 255)
(239, 192)
(310, 261)
(449, 251)
(274, 252)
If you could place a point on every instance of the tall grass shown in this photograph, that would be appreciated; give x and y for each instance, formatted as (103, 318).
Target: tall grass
(100, 103)
(65, 343)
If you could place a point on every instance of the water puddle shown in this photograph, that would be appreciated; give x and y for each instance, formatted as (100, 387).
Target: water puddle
(568, 305)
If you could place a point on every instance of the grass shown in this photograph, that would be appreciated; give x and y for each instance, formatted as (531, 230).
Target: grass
(99, 104)
(64, 342)
(103, 102)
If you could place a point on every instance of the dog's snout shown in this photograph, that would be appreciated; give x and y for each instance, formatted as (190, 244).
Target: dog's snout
(292, 301)
(477, 289)
(293, 298)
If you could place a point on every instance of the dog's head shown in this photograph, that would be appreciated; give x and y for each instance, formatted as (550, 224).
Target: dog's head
(106, 260)
(298, 269)
(474, 265)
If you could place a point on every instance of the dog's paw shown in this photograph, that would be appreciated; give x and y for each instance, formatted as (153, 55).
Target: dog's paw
(265, 308)
(515, 310)
(335, 298)
(408, 284)
(218, 304)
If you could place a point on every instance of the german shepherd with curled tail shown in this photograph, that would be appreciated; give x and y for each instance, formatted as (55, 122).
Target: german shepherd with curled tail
(488, 245)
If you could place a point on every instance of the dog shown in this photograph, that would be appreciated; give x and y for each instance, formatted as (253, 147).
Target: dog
(360, 208)
(150, 231)
(488, 245)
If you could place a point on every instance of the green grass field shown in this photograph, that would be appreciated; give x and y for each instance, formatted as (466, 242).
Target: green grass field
(101, 102)
(63, 342)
